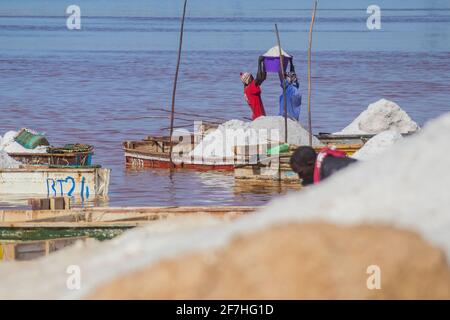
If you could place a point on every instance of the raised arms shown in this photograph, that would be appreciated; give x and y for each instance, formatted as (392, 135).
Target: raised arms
(261, 74)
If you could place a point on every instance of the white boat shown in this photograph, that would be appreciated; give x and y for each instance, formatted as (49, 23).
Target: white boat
(84, 182)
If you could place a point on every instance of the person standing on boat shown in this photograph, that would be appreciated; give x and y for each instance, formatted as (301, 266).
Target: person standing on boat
(252, 89)
(313, 167)
(293, 95)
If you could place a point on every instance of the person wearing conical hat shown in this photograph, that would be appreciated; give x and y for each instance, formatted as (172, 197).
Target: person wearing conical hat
(252, 89)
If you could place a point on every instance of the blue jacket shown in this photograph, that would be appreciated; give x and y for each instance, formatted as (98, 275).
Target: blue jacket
(293, 99)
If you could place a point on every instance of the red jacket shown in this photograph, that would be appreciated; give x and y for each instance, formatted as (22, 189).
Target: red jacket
(252, 94)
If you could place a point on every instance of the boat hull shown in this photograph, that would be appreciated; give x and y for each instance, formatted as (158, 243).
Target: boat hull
(141, 161)
(84, 182)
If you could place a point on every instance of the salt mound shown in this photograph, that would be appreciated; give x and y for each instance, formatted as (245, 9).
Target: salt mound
(6, 162)
(275, 52)
(408, 188)
(377, 145)
(235, 124)
(381, 116)
(220, 143)
(7, 139)
(296, 133)
(15, 147)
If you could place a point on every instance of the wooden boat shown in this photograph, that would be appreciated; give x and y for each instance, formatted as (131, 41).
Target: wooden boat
(349, 143)
(111, 217)
(69, 155)
(153, 152)
(55, 181)
(99, 223)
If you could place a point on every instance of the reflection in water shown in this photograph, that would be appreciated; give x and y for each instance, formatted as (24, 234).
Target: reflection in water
(246, 190)
(269, 187)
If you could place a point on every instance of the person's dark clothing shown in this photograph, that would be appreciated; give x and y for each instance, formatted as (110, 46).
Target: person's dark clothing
(332, 164)
(313, 167)
(261, 74)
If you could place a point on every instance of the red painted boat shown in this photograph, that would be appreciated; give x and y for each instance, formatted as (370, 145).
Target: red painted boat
(153, 152)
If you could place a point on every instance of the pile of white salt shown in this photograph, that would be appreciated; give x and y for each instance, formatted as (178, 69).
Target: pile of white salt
(264, 130)
(381, 116)
(6, 162)
(377, 145)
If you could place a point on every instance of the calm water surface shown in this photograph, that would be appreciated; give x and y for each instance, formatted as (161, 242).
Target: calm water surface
(99, 84)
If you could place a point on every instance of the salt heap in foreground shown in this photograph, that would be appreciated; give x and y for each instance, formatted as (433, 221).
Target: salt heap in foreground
(381, 116)
(316, 243)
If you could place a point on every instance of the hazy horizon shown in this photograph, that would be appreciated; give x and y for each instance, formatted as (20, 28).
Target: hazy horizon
(203, 8)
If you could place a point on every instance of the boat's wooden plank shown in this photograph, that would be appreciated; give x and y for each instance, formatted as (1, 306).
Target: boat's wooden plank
(44, 217)
(84, 224)
(144, 209)
(68, 225)
(55, 181)
(115, 214)
(98, 217)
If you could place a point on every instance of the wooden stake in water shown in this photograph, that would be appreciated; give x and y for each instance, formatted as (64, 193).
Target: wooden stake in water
(309, 72)
(172, 115)
(284, 83)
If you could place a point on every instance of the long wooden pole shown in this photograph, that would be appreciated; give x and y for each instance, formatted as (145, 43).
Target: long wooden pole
(172, 115)
(284, 83)
(309, 72)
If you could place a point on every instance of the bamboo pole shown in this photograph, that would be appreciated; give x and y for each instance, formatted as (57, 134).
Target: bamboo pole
(284, 83)
(313, 18)
(172, 115)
